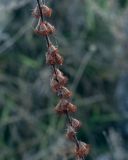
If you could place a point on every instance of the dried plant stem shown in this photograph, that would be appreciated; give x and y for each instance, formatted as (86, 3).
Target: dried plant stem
(68, 116)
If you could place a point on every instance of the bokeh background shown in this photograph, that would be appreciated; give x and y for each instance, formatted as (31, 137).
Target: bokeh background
(92, 36)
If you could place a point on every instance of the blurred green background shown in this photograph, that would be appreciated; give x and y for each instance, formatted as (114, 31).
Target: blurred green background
(92, 36)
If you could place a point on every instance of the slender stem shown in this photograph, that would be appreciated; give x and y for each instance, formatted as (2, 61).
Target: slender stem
(42, 17)
(76, 141)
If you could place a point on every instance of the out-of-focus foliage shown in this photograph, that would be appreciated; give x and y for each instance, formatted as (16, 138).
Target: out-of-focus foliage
(92, 35)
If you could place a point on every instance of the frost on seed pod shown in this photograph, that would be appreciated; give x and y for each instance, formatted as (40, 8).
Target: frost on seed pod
(75, 123)
(46, 11)
(65, 93)
(83, 150)
(64, 106)
(53, 57)
(70, 133)
(44, 28)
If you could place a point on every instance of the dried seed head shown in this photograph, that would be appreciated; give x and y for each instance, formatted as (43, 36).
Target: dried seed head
(64, 106)
(70, 133)
(61, 78)
(75, 123)
(36, 12)
(61, 106)
(59, 59)
(71, 108)
(58, 72)
(52, 49)
(46, 11)
(57, 82)
(54, 85)
(44, 28)
(83, 150)
(54, 58)
(50, 28)
(50, 59)
(65, 93)
(41, 29)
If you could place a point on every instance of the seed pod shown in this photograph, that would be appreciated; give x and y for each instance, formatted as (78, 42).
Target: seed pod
(54, 59)
(58, 72)
(52, 49)
(75, 123)
(59, 59)
(83, 150)
(50, 59)
(70, 133)
(61, 78)
(41, 29)
(46, 11)
(55, 85)
(57, 82)
(44, 28)
(65, 93)
(61, 106)
(64, 106)
(71, 108)
(50, 28)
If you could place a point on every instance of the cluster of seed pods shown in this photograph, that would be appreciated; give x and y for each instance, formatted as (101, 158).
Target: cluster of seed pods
(59, 80)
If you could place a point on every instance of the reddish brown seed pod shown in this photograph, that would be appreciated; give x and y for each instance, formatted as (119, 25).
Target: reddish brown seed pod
(54, 85)
(46, 11)
(41, 29)
(58, 73)
(50, 59)
(59, 59)
(76, 124)
(83, 150)
(64, 106)
(54, 59)
(36, 12)
(61, 78)
(61, 106)
(70, 133)
(71, 108)
(50, 28)
(52, 49)
(65, 93)
(44, 28)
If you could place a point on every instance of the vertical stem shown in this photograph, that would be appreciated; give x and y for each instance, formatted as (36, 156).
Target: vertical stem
(76, 141)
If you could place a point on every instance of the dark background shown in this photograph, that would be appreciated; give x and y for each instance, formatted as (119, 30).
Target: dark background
(92, 36)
